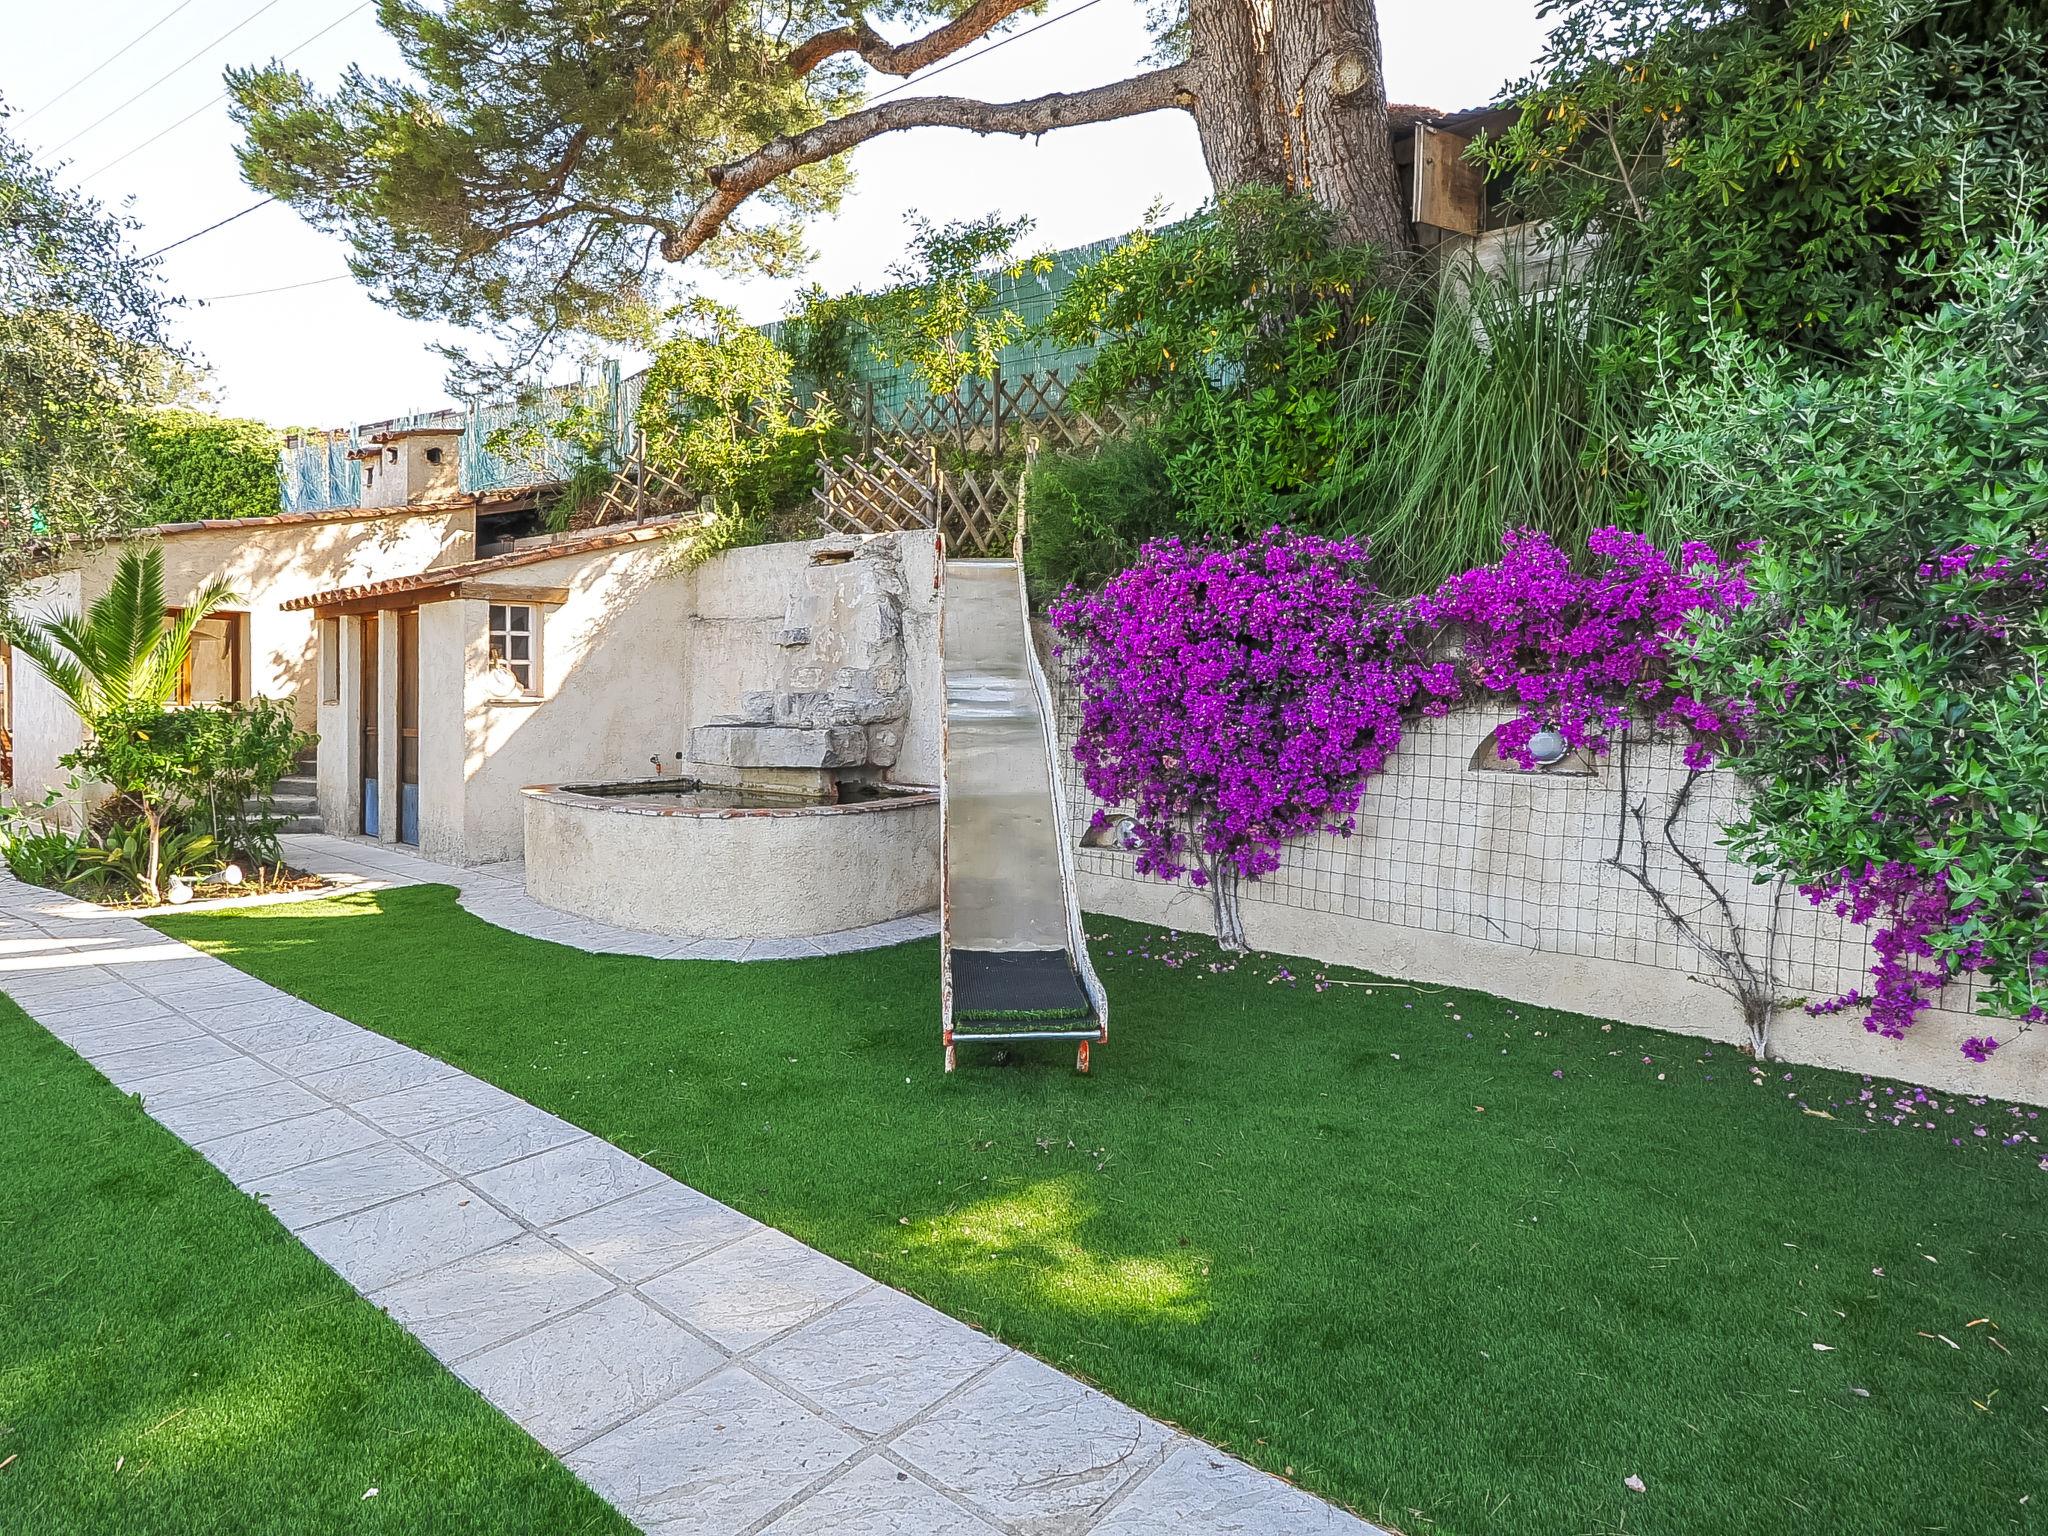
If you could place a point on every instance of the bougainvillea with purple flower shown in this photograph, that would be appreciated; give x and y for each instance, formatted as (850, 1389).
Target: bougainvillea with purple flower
(1583, 652)
(1235, 699)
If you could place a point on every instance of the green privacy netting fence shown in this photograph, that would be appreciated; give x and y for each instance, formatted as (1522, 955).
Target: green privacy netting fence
(319, 471)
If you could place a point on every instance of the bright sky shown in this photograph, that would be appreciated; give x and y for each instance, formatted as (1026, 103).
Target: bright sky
(148, 128)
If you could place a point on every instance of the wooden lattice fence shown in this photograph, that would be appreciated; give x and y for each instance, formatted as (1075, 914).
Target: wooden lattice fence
(939, 462)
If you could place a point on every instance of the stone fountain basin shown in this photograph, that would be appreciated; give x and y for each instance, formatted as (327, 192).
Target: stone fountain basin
(672, 856)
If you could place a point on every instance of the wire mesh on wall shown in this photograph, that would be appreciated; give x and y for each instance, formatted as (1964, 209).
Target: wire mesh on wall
(1525, 859)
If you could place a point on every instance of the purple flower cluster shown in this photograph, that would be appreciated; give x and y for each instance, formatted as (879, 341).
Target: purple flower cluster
(1904, 907)
(1583, 653)
(1235, 699)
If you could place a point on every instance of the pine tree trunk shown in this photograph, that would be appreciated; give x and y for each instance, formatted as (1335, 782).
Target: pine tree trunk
(1291, 92)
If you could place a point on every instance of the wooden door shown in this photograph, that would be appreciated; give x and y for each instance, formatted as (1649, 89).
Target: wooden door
(409, 727)
(366, 714)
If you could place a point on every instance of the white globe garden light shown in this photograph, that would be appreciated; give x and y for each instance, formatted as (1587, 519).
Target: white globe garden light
(1547, 747)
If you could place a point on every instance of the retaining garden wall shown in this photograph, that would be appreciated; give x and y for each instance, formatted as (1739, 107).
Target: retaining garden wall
(1493, 878)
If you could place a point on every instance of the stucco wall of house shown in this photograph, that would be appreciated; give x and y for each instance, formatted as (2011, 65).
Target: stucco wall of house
(1500, 881)
(45, 726)
(266, 564)
(339, 767)
(612, 695)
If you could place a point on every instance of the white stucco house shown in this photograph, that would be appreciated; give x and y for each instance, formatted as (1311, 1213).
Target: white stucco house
(606, 655)
(261, 645)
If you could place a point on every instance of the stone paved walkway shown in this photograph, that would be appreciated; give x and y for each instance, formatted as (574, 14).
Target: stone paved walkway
(497, 894)
(707, 1374)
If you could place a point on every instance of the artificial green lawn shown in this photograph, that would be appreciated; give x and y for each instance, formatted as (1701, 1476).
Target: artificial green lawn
(174, 1363)
(1463, 1266)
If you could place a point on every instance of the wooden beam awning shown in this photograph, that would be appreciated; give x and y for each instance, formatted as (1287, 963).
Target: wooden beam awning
(450, 582)
(415, 597)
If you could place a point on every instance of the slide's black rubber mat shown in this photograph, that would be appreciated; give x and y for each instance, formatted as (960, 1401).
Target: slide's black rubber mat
(1017, 986)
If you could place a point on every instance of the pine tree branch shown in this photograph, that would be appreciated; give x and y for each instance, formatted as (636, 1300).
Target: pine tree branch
(878, 53)
(733, 183)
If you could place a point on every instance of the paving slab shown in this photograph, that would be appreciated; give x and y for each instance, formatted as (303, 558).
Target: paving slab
(1035, 1448)
(639, 1237)
(875, 1497)
(335, 1186)
(553, 1185)
(713, 1460)
(386, 1073)
(205, 1119)
(747, 1292)
(245, 1156)
(1201, 1489)
(195, 1084)
(708, 1375)
(140, 1062)
(568, 1380)
(495, 1137)
(484, 1299)
(879, 1359)
(415, 1111)
(111, 1039)
(402, 1238)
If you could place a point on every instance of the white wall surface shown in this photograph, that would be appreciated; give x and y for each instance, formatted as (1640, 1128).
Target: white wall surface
(1498, 881)
(266, 563)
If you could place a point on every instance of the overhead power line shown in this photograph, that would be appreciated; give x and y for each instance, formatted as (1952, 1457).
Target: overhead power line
(253, 293)
(160, 79)
(103, 63)
(217, 224)
(939, 69)
(969, 58)
(136, 149)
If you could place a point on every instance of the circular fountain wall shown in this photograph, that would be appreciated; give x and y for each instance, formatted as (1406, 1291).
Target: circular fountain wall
(676, 857)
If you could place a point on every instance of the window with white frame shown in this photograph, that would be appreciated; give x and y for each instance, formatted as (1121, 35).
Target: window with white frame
(515, 645)
(330, 661)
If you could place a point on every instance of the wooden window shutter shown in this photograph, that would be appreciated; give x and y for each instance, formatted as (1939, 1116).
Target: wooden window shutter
(1450, 191)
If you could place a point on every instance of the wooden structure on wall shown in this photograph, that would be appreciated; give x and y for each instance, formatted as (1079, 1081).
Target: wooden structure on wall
(951, 462)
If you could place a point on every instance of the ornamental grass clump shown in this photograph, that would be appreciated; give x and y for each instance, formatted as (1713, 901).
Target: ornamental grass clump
(1234, 699)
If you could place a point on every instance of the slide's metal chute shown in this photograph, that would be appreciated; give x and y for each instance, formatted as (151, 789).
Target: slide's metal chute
(1013, 956)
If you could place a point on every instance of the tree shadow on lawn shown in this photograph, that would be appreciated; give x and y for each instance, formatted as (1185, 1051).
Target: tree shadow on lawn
(1459, 1263)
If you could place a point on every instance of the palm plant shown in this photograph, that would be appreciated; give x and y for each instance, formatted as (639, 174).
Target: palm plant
(119, 663)
(119, 656)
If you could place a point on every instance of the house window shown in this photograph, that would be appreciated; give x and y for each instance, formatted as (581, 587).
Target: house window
(515, 639)
(433, 455)
(215, 666)
(330, 661)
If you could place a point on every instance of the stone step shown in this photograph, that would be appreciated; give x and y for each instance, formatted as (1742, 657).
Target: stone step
(298, 784)
(302, 824)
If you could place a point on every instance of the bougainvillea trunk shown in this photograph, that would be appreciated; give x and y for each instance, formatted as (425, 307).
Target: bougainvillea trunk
(1223, 880)
(1291, 93)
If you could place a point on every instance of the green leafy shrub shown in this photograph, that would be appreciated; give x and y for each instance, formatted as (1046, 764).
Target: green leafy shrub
(941, 319)
(1234, 327)
(125, 850)
(200, 466)
(716, 410)
(1089, 514)
(1892, 662)
(1804, 153)
(44, 855)
(242, 751)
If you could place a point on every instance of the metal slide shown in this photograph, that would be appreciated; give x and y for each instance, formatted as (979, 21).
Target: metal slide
(1013, 958)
